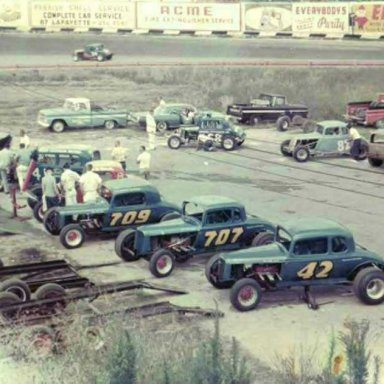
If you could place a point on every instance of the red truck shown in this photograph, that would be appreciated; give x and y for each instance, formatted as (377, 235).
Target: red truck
(367, 113)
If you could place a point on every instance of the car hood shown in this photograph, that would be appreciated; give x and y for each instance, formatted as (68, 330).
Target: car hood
(55, 111)
(308, 136)
(169, 227)
(270, 253)
(100, 206)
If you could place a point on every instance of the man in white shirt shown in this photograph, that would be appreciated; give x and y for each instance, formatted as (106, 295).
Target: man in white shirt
(119, 154)
(151, 130)
(144, 161)
(6, 157)
(68, 180)
(356, 141)
(161, 101)
(24, 139)
(90, 183)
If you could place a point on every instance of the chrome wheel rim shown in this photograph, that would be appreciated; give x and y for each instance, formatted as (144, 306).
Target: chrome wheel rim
(375, 289)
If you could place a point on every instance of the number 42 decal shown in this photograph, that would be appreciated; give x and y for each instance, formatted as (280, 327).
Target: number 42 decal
(315, 269)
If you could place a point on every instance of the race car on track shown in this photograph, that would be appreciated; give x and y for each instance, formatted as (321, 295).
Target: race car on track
(208, 224)
(330, 138)
(306, 252)
(217, 130)
(95, 51)
(123, 203)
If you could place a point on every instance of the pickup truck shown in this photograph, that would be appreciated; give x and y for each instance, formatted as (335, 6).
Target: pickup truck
(269, 107)
(81, 113)
(367, 113)
(376, 149)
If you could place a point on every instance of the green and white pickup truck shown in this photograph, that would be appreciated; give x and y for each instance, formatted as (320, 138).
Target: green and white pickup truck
(81, 113)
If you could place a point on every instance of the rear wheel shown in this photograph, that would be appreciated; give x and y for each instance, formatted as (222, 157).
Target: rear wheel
(363, 152)
(72, 236)
(174, 142)
(253, 120)
(283, 123)
(369, 286)
(51, 221)
(284, 148)
(211, 271)
(161, 126)
(125, 245)
(38, 212)
(298, 120)
(263, 238)
(38, 192)
(161, 263)
(375, 162)
(246, 294)
(18, 287)
(301, 154)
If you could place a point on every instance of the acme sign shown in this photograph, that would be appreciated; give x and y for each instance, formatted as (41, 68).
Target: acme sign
(185, 10)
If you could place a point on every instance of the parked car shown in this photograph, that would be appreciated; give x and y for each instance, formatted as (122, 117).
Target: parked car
(330, 138)
(123, 203)
(208, 224)
(305, 252)
(81, 113)
(376, 149)
(269, 107)
(95, 51)
(367, 113)
(218, 130)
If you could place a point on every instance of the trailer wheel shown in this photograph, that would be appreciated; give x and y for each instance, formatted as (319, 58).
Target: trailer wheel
(51, 291)
(174, 142)
(38, 213)
(42, 342)
(369, 286)
(125, 245)
(50, 222)
(246, 294)
(211, 269)
(283, 123)
(262, 238)
(162, 263)
(18, 287)
(9, 298)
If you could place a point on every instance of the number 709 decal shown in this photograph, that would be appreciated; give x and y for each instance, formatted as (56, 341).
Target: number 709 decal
(130, 217)
(315, 269)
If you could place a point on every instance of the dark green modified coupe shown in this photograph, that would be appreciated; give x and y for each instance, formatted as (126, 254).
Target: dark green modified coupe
(306, 252)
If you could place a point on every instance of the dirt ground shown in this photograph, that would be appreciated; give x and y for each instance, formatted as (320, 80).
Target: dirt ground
(269, 185)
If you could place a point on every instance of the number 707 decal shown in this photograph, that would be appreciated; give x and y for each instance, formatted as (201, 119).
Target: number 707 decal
(223, 236)
(315, 269)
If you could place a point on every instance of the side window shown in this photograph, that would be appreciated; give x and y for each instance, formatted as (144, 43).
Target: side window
(128, 199)
(236, 215)
(221, 216)
(82, 107)
(280, 100)
(311, 247)
(339, 244)
(344, 130)
(73, 160)
(47, 158)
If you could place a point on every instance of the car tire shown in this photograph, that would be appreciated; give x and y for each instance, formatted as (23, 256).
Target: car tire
(9, 298)
(228, 143)
(240, 143)
(42, 342)
(50, 222)
(283, 123)
(283, 148)
(72, 236)
(309, 126)
(1, 264)
(174, 142)
(245, 294)
(51, 291)
(368, 286)
(38, 192)
(253, 120)
(100, 58)
(363, 153)
(124, 244)
(211, 265)
(379, 124)
(75, 58)
(109, 124)
(18, 287)
(161, 263)
(38, 213)
(263, 238)
(375, 162)
(301, 154)
(170, 216)
(58, 126)
(161, 126)
(298, 120)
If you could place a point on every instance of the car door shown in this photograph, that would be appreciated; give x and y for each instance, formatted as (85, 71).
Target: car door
(44, 161)
(128, 209)
(221, 229)
(334, 141)
(82, 116)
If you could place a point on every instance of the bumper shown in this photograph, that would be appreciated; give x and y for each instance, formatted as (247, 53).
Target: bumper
(43, 123)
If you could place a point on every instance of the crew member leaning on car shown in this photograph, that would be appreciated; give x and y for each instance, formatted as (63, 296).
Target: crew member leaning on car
(90, 183)
(68, 180)
(356, 141)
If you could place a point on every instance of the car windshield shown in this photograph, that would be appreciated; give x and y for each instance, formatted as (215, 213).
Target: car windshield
(319, 129)
(265, 97)
(284, 238)
(194, 210)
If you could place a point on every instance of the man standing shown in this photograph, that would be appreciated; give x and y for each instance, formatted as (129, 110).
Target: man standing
(68, 180)
(6, 157)
(151, 130)
(24, 139)
(161, 101)
(356, 141)
(90, 183)
(119, 154)
(50, 191)
(144, 161)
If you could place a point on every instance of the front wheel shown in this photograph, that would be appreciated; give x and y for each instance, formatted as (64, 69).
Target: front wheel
(100, 58)
(38, 192)
(109, 124)
(375, 162)
(301, 154)
(125, 245)
(38, 212)
(284, 148)
(363, 152)
(228, 143)
(174, 142)
(51, 221)
(75, 58)
(246, 294)
(58, 126)
(72, 236)
(212, 271)
(162, 263)
(161, 126)
(369, 286)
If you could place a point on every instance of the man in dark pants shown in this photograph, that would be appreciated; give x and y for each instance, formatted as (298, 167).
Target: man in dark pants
(50, 191)
(356, 141)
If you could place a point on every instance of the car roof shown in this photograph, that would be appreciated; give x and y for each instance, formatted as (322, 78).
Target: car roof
(77, 99)
(214, 201)
(332, 123)
(121, 185)
(271, 94)
(104, 164)
(75, 148)
(314, 226)
(176, 105)
(94, 45)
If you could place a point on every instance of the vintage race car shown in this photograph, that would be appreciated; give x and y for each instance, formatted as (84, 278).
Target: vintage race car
(207, 224)
(305, 252)
(94, 51)
(217, 130)
(124, 203)
(376, 149)
(330, 138)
